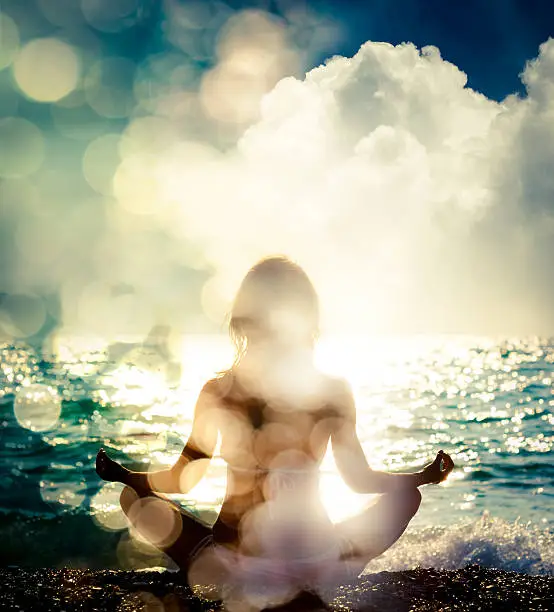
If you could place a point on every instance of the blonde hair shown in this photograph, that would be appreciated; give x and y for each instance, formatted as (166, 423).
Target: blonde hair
(271, 284)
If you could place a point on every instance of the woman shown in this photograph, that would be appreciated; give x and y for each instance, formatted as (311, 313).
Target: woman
(275, 414)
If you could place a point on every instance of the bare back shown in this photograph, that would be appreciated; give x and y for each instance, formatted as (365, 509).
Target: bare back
(273, 451)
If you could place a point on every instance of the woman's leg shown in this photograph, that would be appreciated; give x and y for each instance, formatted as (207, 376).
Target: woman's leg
(370, 533)
(165, 525)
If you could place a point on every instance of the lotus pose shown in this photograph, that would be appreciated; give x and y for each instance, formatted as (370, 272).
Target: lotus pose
(275, 414)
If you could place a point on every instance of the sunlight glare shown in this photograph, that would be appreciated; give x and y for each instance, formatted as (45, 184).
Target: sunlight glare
(106, 509)
(46, 69)
(58, 487)
(339, 500)
(9, 37)
(37, 407)
(133, 386)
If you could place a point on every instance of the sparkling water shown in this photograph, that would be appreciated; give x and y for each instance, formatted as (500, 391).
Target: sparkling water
(487, 402)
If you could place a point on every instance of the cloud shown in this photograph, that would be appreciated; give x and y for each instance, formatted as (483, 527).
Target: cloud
(415, 203)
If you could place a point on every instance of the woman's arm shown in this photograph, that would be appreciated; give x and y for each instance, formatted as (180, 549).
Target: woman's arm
(191, 464)
(352, 463)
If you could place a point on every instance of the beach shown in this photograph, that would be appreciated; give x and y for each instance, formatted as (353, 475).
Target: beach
(470, 588)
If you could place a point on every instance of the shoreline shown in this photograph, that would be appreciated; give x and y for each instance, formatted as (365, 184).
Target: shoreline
(471, 588)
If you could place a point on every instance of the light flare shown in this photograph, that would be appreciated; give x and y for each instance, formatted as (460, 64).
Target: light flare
(9, 37)
(105, 507)
(61, 490)
(155, 521)
(47, 69)
(37, 407)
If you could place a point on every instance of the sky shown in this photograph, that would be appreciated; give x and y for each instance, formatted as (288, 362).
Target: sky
(399, 150)
(505, 32)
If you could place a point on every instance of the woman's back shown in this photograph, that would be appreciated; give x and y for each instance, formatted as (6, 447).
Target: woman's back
(273, 448)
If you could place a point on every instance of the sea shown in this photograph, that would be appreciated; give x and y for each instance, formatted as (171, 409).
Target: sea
(486, 401)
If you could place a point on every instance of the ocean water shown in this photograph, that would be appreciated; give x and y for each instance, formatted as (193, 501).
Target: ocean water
(487, 402)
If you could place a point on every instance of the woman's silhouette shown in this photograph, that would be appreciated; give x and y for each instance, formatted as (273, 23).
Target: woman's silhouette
(275, 414)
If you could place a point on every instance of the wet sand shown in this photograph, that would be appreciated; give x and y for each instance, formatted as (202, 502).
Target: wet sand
(471, 588)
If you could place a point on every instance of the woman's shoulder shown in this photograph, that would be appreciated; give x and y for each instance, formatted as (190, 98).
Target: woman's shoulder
(336, 386)
(220, 386)
(337, 395)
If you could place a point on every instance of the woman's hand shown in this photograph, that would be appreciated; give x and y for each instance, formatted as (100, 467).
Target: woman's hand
(439, 470)
(108, 469)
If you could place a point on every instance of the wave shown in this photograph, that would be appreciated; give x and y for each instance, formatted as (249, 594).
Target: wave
(74, 539)
(489, 542)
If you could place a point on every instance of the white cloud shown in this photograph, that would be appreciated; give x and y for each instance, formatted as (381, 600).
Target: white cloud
(415, 202)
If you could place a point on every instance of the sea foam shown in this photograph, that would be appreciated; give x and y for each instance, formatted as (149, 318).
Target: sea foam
(489, 541)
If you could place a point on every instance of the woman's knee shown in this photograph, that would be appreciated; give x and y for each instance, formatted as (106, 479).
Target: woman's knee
(413, 500)
(157, 520)
(408, 500)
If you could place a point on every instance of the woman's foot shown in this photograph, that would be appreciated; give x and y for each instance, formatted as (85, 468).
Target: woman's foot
(108, 469)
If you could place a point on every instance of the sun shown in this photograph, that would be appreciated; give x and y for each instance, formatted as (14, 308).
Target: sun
(339, 500)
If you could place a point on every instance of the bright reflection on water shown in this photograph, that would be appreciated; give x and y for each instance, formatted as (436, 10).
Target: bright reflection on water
(488, 403)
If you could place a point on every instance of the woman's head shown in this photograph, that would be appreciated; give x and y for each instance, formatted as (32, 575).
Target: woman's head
(276, 304)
